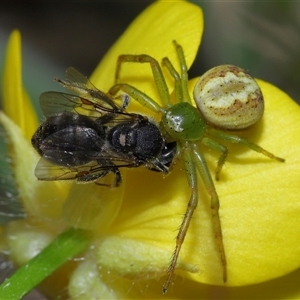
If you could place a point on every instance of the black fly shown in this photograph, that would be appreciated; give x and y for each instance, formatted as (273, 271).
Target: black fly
(88, 135)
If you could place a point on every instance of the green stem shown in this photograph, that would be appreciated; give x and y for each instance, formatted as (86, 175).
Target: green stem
(64, 247)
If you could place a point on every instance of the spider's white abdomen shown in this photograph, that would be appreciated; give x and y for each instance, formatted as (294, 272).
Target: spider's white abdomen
(229, 98)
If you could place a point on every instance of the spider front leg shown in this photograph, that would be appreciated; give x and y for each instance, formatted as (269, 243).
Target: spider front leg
(178, 86)
(191, 173)
(137, 95)
(158, 76)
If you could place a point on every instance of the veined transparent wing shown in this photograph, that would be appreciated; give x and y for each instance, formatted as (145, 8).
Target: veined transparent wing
(80, 84)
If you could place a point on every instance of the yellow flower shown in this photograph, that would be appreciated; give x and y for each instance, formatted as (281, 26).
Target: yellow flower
(134, 226)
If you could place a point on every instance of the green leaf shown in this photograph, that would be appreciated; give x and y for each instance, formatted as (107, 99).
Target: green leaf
(64, 247)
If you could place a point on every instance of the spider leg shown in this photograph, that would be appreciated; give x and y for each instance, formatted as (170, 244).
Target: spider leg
(181, 82)
(158, 76)
(218, 147)
(178, 86)
(239, 140)
(184, 73)
(137, 95)
(208, 182)
(191, 173)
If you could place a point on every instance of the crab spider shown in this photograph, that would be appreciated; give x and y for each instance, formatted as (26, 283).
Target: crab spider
(228, 98)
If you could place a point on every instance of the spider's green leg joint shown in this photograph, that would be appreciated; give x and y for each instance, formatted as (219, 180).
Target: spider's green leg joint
(158, 76)
(137, 95)
(239, 140)
(215, 204)
(218, 147)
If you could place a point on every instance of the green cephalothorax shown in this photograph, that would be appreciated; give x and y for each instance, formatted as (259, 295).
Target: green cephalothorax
(183, 121)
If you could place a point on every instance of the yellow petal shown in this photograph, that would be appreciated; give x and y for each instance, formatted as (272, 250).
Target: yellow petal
(252, 180)
(88, 282)
(20, 122)
(43, 200)
(113, 253)
(259, 205)
(260, 211)
(16, 103)
(92, 207)
(152, 33)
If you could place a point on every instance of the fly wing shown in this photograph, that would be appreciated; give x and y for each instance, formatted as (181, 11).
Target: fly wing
(46, 170)
(78, 83)
(88, 100)
(53, 103)
(73, 75)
